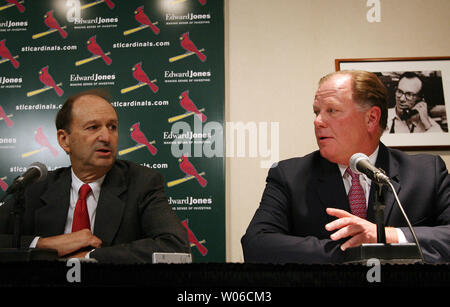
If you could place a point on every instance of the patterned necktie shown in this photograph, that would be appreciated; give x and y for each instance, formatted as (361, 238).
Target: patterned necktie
(356, 196)
(81, 215)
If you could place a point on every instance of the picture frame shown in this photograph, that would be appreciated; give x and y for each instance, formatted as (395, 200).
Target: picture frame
(419, 105)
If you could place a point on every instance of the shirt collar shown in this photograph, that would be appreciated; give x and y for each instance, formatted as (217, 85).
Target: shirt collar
(95, 185)
(372, 158)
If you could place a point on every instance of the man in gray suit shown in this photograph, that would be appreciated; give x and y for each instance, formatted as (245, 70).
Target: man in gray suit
(126, 216)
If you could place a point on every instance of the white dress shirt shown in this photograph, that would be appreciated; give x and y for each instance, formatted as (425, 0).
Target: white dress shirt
(91, 200)
(365, 184)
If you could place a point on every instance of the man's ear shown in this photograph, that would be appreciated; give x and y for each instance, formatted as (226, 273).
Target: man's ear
(373, 117)
(63, 140)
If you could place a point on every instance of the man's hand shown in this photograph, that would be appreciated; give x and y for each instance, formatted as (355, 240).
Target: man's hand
(69, 243)
(422, 119)
(360, 230)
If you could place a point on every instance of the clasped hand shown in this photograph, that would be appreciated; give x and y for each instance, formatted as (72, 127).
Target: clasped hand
(358, 229)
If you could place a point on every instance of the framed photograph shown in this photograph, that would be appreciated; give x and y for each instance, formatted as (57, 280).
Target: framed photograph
(418, 102)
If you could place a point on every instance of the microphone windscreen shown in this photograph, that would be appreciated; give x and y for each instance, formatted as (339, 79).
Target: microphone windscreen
(354, 160)
(41, 168)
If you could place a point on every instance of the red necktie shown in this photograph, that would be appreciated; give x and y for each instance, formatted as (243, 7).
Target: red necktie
(356, 196)
(81, 215)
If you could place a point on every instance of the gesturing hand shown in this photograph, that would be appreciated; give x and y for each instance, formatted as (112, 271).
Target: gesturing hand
(359, 230)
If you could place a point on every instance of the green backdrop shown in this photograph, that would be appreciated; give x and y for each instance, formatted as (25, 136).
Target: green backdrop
(34, 46)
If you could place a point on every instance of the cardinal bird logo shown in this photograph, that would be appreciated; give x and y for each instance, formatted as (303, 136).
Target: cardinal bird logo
(3, 184)
(97, 51)
(189, 169)
(189, 46)
(51, 22)
(143, 19)
(193, 239)
(138, 136)
(140, 75)
(5, 117)
(6, 55)
(15, 3)
(48, 81)
(42, 140)
(187, 104)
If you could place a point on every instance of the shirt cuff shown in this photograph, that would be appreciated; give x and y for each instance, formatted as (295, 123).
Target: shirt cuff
(34, 242)
(401, 236)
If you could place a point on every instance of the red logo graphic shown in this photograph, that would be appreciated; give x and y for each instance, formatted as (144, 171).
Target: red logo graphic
(138, 136)
(142, 78)
(42, 140)
(143, 19)
(53, 25)
(189, 169)
(187, 104)
(12, 3)
(193, 239)
(6, 55)
(175, 2)
(97, 51)
(191, 49)
(109, 3)
(3, 184)
(145, 22)
(48, 81)
(5, 117)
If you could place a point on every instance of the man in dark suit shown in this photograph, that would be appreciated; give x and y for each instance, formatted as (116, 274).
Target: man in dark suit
(313, 208)
(124, 216)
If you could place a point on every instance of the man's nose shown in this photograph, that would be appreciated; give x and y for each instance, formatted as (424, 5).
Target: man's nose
(104, 135)
(319, 121)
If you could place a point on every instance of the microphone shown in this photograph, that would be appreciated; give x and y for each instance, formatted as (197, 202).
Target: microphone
(35, 172)
(360, 164)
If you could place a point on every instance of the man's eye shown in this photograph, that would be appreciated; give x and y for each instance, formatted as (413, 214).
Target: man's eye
(92, 127)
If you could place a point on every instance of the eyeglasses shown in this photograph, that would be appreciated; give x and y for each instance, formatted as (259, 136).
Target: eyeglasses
(408, 95)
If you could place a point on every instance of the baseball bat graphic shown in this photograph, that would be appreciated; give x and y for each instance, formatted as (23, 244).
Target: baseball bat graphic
(130, 31)
(92, 4)
(87, 60)
(6, 60)
(175, 2)
(182, 56)
(46, 88)
(9, 5)
(130, 149)
(133, 87)
(178, 117)
(10, 115)
(27, 154)
(201, 242)
(38, 35)
(181, 180)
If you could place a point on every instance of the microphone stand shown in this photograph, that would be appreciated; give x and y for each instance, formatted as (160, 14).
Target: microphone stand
(386, 253)
(18, 253)
(379, 207)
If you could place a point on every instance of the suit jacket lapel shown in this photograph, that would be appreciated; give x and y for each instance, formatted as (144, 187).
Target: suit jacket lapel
(330, 186)
(390, 166)
(110, 207)
(51, 218)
